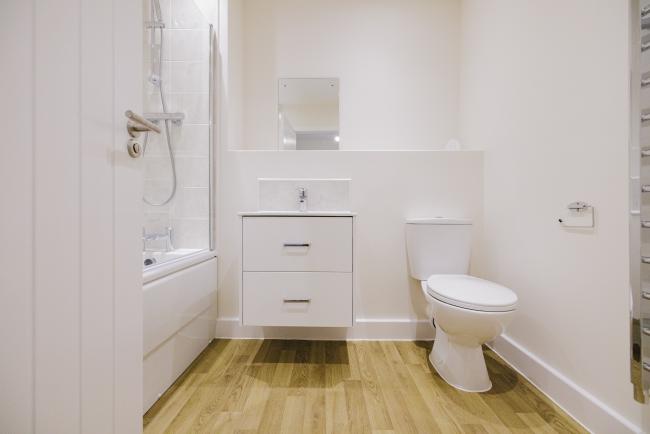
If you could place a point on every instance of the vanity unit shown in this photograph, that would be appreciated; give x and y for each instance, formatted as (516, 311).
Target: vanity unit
(297, 269)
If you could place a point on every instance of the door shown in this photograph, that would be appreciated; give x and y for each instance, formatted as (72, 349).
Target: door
(70, 202)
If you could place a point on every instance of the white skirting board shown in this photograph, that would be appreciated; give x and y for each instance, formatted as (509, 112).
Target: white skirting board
(587, 409)
(364, 329)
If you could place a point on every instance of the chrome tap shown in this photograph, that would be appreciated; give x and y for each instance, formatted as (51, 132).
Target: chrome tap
(302, 199)
(167, 236)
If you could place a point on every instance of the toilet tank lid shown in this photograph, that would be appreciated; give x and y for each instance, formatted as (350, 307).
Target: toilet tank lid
(438, 221)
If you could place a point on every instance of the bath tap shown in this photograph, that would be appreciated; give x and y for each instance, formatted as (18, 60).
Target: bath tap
(302, 199)
(167, 236)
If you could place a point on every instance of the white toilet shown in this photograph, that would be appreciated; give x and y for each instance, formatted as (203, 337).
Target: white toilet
(467, 311)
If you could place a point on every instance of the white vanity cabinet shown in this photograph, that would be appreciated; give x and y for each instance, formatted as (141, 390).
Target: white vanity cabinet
(297, 270)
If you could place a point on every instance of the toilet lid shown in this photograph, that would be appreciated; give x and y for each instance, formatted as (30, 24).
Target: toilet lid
(471, 293)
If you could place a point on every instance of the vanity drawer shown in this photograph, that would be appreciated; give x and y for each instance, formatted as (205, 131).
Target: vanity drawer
(297, 299)
(297, 244)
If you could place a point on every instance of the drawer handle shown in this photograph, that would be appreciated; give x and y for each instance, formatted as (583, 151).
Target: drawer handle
(297, 244)
(297, 300)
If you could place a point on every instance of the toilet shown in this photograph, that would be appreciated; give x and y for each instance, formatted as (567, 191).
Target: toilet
(467, 311)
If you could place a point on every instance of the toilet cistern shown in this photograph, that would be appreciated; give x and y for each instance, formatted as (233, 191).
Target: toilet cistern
(302, 199)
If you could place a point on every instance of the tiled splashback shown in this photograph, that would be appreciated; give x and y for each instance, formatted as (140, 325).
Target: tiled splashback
(185, 77)
(322, 194)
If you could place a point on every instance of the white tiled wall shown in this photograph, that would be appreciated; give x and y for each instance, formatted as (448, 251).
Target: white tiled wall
(185, 74)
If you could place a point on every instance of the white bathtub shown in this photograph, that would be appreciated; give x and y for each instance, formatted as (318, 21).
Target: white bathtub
(179, 306)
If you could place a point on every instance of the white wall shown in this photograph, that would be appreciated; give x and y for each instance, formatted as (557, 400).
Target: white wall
(545, 94)
(386, 188)
(397, 63)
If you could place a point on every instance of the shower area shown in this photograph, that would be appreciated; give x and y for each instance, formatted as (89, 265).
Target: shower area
(178, 165)
(179, 262)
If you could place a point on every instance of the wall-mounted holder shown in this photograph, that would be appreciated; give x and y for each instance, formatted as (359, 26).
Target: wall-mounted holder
(579, 215)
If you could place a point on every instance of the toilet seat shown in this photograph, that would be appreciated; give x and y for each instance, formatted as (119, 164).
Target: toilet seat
(470, 292)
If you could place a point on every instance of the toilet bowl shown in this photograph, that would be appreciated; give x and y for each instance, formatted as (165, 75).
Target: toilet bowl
(457, 353)
(467, 311)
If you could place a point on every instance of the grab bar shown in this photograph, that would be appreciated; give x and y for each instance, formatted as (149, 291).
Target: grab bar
(138, 124)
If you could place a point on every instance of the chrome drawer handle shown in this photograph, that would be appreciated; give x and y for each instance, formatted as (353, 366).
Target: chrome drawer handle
(297, 244)
(297, 300)
(645, 259)
(645, 295)
(646, 331)
(646, 366)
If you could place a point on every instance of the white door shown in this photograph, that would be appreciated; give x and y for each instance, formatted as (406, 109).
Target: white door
(70, 210)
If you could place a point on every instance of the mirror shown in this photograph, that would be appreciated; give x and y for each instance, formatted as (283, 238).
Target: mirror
(395, 67)
(308, 113)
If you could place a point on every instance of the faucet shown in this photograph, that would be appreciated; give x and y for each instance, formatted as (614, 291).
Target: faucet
(302, 199)
(167, 236)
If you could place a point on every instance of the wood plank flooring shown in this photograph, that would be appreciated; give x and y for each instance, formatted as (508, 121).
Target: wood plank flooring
(274, 386)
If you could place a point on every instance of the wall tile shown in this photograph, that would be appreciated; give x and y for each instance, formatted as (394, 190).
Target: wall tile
(189, 45)
(192, 171)
(189, 77)
(191, 140)
(185, 15)
(195, 106)
(191, 234)
(192, 202)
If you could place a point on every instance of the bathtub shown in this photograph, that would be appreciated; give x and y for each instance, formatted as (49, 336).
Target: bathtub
(179, 315)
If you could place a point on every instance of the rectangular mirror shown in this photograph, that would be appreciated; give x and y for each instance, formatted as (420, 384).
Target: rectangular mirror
(308, 113)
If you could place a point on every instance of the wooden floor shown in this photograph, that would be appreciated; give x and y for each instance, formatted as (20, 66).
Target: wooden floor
(253, 386)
